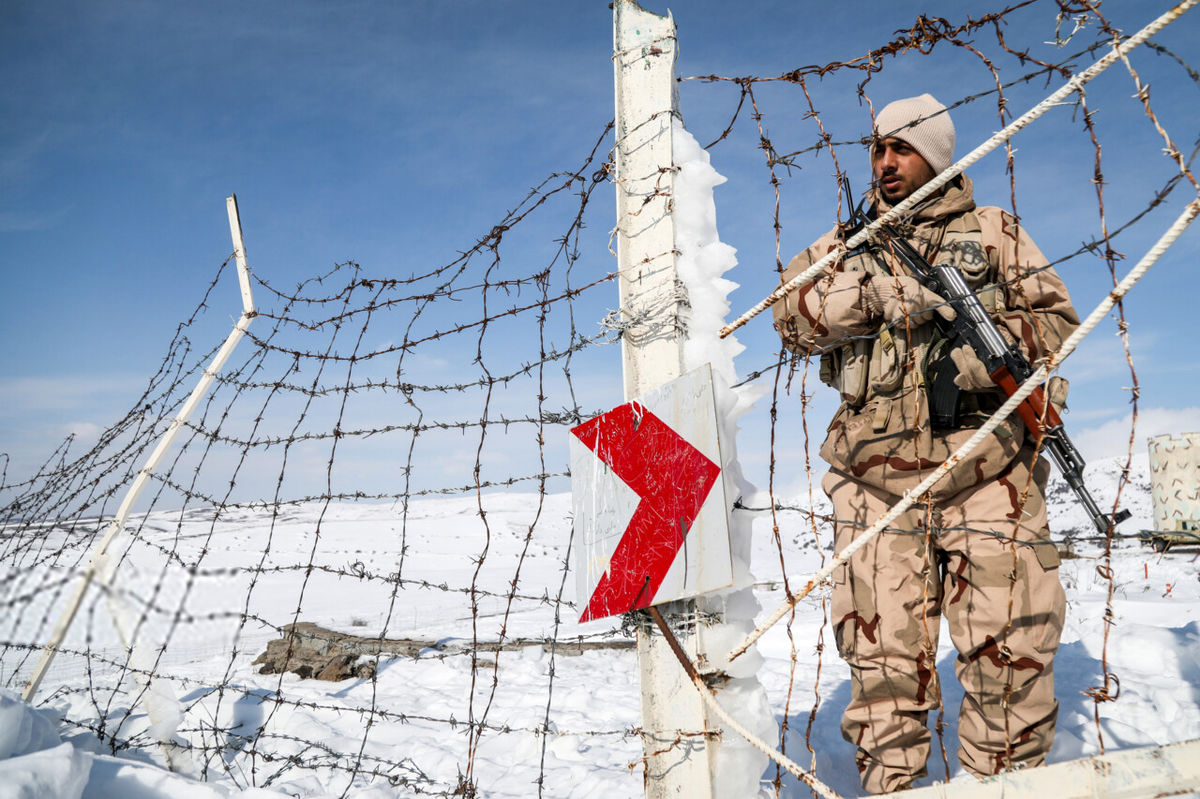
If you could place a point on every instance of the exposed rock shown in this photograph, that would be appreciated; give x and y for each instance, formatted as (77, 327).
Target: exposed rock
(310, 651)
(314, 652)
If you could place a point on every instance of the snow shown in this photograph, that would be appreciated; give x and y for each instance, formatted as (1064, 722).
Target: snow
(1153, 648)
(703, 259)
(403, 570)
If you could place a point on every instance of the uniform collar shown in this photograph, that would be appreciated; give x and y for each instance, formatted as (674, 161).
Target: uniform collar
(957, 197)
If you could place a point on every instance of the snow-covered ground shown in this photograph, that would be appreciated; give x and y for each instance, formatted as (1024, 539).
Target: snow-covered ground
(206, 592)
(415, 744)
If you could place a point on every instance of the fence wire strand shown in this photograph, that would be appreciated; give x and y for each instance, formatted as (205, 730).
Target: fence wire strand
(366, 409)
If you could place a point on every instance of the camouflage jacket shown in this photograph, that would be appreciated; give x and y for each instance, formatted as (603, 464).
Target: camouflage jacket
(882, 434)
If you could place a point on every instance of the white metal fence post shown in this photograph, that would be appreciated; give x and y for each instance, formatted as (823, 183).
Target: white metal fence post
(675, 728)
(101, 567)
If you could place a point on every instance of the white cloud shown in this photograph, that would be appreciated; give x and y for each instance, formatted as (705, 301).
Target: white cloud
(25, 394)
(38, 413)
(1101, 356)
(83, 431)
(1111, 439)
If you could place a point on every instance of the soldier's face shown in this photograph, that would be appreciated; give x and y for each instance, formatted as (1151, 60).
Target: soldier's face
(899, 169)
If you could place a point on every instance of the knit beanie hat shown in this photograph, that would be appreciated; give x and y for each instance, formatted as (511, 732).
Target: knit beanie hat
(932, 137)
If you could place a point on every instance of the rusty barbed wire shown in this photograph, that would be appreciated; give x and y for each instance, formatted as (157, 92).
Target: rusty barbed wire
(924, 36)
(314, 355)
(351, 362)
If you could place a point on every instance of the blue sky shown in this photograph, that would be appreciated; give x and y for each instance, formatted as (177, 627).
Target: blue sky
(395, 134)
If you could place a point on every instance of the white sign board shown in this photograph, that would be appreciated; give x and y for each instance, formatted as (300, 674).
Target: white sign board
(651, 517)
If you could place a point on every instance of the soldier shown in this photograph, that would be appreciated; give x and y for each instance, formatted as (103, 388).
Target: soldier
(976, 549)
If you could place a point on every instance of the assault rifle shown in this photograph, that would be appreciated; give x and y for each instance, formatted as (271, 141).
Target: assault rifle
(1007, 365)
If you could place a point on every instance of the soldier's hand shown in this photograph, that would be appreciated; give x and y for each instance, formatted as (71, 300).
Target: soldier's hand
(972, 375)
(895, 297)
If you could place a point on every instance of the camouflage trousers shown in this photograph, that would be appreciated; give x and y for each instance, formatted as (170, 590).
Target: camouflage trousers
(981, 558)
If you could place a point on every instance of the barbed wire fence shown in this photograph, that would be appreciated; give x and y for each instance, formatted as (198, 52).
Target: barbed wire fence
(366, 412)
(924, 36)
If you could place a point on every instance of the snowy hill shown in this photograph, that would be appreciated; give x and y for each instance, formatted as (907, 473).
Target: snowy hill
(588, 702)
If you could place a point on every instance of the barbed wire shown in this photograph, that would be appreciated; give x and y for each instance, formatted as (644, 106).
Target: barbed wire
(924, 37)
(375, 402)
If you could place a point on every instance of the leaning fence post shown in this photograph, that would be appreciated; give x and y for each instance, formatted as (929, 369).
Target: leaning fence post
(675, 729)
(100, 566)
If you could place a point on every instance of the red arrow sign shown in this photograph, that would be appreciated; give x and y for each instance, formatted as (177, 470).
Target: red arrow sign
(671, 477)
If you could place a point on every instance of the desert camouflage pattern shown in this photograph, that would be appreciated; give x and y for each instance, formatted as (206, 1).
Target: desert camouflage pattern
(977, 550)
(985, 561)
(881, 434)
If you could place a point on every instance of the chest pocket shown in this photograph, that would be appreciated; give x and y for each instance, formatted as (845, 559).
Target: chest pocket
(867, 368)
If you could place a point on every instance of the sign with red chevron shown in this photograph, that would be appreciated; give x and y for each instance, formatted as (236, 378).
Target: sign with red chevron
(651, 520)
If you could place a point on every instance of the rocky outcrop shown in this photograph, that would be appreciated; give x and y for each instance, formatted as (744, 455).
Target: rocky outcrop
(310, 651)
(314, 652)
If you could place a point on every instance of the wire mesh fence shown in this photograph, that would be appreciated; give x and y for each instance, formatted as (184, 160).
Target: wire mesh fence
(376, 482)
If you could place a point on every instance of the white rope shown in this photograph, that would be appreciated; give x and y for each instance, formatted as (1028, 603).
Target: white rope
(1026, 388)
(1036, 379)
(709, 696)
(783, 760)
(951, 172)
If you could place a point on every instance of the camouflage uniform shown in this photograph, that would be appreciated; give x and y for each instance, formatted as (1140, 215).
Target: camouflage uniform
(977, 550)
